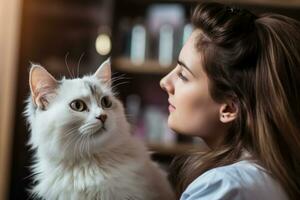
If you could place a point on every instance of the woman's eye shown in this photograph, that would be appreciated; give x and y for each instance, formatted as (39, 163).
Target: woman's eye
(78, 105)
(106, 102)
(181, 76)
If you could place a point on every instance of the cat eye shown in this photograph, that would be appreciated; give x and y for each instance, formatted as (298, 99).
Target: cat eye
(78, 105)
(106, 102)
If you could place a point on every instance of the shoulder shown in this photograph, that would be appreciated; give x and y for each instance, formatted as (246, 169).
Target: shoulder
(241, 180)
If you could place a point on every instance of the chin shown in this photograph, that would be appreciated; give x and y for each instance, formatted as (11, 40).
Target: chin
(170, 123)
(174, 127)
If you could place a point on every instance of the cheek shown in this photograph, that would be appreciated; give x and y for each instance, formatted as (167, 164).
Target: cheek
(196, 116)
(115, 118)
(204, 120)
(74, 117)
(67, 120)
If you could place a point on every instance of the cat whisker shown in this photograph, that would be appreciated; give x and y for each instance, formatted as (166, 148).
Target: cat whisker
(73, 137)
(87, 126)
(69, 132)
(123, 76)
(74, 126)
(120, 77)
(118, 84)
(78, 65)
(117, 74)
(116, 81)
(93, 130)
(91, 124)
(117, 77)
(87, 131)
(66, 62)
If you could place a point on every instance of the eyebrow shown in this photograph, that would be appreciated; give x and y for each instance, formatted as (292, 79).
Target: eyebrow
(184, 65)
(91, 87)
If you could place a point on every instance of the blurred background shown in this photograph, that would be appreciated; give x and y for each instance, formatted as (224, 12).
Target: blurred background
(143, 39)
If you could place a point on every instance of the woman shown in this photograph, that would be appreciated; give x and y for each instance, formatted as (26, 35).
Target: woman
(237, 86)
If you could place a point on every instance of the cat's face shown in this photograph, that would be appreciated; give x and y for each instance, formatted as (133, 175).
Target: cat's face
(74, 116)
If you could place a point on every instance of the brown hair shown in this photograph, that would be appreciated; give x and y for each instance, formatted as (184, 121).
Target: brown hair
(254, 61)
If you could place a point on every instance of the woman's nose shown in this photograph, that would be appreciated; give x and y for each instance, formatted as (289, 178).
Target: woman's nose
(166, 84)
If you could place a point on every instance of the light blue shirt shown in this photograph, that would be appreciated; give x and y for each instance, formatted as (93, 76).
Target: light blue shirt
(243, 180)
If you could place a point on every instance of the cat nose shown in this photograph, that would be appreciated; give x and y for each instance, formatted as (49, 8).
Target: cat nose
(102, 117)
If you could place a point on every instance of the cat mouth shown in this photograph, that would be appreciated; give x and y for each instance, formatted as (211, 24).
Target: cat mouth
(102, 129)
(99, 131)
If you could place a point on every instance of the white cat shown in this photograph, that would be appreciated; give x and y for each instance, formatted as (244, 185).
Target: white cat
(83, 145)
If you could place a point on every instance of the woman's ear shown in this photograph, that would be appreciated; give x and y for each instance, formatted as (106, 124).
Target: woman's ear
(42, 85)
(229, 111)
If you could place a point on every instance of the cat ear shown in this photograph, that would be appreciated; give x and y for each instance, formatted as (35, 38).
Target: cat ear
(42, 85)
(103, 73)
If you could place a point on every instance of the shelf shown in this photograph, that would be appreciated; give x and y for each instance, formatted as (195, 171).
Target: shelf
(148, 67)
(276, 3)
(273, 3)
(96, 13)
(174, 149)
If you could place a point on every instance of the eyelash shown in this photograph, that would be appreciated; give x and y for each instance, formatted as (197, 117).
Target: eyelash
(179, 74)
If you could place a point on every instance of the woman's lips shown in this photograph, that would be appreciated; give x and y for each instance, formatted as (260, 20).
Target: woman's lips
(171, 108)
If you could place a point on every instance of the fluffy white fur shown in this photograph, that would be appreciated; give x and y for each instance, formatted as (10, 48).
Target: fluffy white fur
(75, 158)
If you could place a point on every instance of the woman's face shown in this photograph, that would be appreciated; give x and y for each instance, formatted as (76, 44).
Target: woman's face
(192, 110)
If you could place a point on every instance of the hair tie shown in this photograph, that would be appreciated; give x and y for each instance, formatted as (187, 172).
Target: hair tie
(233, 10)
(238, 11)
